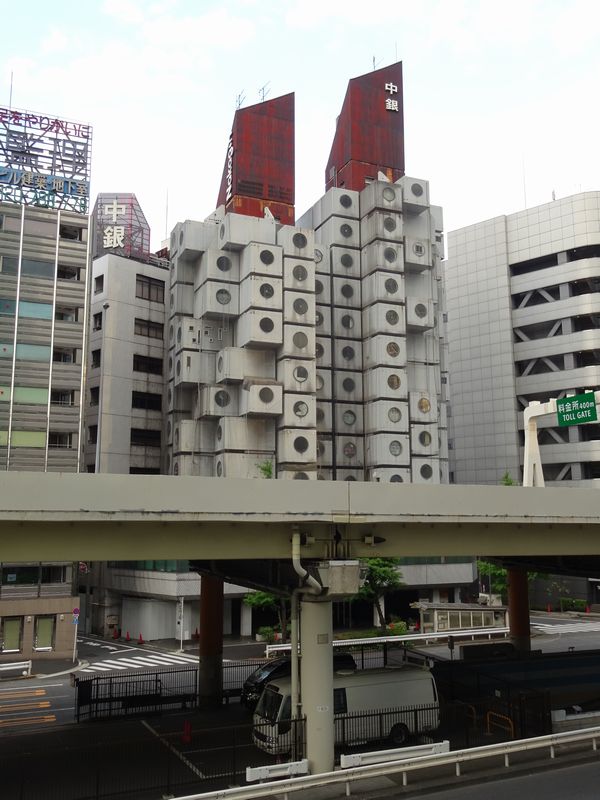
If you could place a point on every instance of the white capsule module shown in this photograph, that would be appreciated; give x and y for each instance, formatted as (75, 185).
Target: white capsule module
(424, 440)
(323, 289)
(347, 354)
(324, 381)
(425, 470)
(349, 419)
(234, 364)
(323, 351)
(383, 318)
(382, 196)
(324, 451)
(298, 274)
(296, 446)
(297, 375)
(324, 416)
(236, 230)
(382, 287)
(236, 433)
(415, 194)
(258, 399)
(297, 242)
(240, 465)
(216, 300)
(349, 452)
(419, 314)
(336, 202)
(261, 259)
(299, 341)
(423, 406)
(387, 449)
(257, 328)
(384, 350)
(191, 435)
(345, 261)
(386, 416)
(339, 231)
(383, 226)
(217, 265)
(218, 401)
(348, 386)
(299, 307)
(387, 256)
(299, 411)
(261, 292)
(347, 292)
(347, 323)
(385, 383)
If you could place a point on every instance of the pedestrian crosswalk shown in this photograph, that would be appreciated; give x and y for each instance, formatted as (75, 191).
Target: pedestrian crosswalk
(146, 661)
(566, 627)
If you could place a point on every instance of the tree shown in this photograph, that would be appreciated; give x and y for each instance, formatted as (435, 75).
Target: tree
(271, 602)
(498, 577)
(382, 576)
(507, 480)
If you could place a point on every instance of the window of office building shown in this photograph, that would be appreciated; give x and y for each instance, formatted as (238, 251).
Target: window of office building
(97, 321)
(94, 395)
(62, 397)
(30, 396)
(92, 434)
(145, 327)
(147, 400)
(37, 269)
(66, 314)
(71, 232)
(57, 440)
(98, 284)
(34, 310)
(11, 634)
(67, 273)
(45, 627)
(145, 438)
(149, 289)
(153, 366)
(65, 355)
(28, 439)
(96, 358)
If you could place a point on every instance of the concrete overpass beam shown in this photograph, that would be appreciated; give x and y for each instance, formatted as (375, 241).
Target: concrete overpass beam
(518, 609)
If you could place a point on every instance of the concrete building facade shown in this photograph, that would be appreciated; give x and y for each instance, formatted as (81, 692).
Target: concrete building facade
(524, 324)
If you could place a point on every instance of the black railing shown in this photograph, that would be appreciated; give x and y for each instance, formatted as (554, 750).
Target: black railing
(398, 726)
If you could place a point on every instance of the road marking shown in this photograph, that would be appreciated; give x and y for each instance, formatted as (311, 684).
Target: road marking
(567, 627)
(44, 687)
(11, 723)
(24, 706)
(176, 752)
(18, 694)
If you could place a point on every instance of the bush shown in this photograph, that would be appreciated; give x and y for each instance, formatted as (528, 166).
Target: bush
(579, 605)
(566, 603)
(267, 632)
(397, 628)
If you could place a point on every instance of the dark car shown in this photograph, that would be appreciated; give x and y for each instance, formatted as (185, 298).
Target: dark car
(278, 668)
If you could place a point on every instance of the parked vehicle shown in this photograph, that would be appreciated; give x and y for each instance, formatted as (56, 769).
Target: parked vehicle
(280, 668)
(393, 692)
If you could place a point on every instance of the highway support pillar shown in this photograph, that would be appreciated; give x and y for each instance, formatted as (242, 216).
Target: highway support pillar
(518, 609)
(316, 674)
(210, 665)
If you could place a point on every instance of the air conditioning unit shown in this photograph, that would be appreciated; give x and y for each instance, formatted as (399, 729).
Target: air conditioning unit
(382, 287)
(193, 238)
(297, 242)
(217, 300)
(385, 383)
(323, 289)
(419, 314)
(423, 407)
(238, 433)
(348, 354)
(336, 202)
(217, 401)
(417, 254)
(218, 265)
(297, 375)
(344, 474)
(181, 299)
(348, 386)
(296, 446)
(236, 230)
(193, 435)
(386, 416)
(349, 451)
(415, 194)
(298, 275)
(324, 382)
(387, 256)
(345, 261)
(383, 318)
(324, 416)
(324, 451)
(299, 307)
(387, 450)
(191, 368)
(380, 195)
(349, 418)
(261, 259)
(258, 291)
(299, 341)
(424, 440)
(323, 320)
(261, 399)
(233, 364)
(347, 323)
(425, 470)
(294, 474)
(347, 292)
(389, 475)
(299, 411)
(240, 465)
(323, 351)
(259, 329)
(322, 257)
(381, 225)
(339, 231)
(384, 351)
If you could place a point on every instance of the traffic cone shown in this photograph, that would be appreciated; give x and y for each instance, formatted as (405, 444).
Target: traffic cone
(548, 608)
(196, 634)
(587, 609)
(128, 637)
(141, 639)
(115, 633)
(186, 736)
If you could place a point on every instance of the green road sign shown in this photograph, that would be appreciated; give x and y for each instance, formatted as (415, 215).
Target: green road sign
(577, 409)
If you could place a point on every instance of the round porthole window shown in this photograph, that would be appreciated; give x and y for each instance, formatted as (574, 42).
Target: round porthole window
(349, 417)
(222, 231)
(318, 287)
(223, 297)
(320, 448)
(389, 194)
(266, 325)
(390, 255)
(181, 238)
(416, 189)
(395, 447)
(348, 353)
(300, 273)
(424, 405)
(223, 263)
(299, 240)
(319, 350)
(421, 310)
(267, 257)
(320, 382)
(300, 476)
(394, 414)
(178, 367)
(222, 398)
(347, 322)
(219, 468)
(345, 200)
(171, 333)
(396, 479)
(391, 285)
(393, 381)
(220, 364)
(219, 433)
(348, 385)
(347, 291)
(168, 429)
(346, 260)
(266, 394)
(172, 300)
(266, 291)
(389, 223)
(425, 438)
(176, 469)
(178, 334)
(300, 444)
(349, 478)
(300, 374)
(300, 339)
(426, 471)
(318, 318)
(170, 364)
(320, 415)
(349, 449)
(300, 408)
(346, 230)
(318, 256)
(392, 317)
(300, 306)
(176, 437)
(393, 349)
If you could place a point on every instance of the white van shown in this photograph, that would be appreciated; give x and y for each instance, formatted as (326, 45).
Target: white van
(387, 691)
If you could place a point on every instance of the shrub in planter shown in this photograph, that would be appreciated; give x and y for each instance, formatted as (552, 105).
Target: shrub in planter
(266, 634)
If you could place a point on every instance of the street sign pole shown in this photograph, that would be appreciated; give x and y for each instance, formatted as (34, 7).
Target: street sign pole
(75, 624)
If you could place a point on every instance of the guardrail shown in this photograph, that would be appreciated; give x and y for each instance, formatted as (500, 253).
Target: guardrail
(423, 638)
(454, 758)
(399, 753)
(22, 666)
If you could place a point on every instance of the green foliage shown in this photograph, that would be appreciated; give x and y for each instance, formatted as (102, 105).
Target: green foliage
(382, 576)
(266, 468)
(507, 480)
(572, 604)
(498, 577)
(266, 601)
(397, 628)
(267, 632)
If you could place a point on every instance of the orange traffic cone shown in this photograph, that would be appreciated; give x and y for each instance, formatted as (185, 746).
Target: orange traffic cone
(141, 639)
(186, 736)
(548, 608)
(587, 609)
(115, 633)
(128, 637)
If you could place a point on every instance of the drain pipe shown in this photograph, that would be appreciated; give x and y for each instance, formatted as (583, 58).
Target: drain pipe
(308, 585)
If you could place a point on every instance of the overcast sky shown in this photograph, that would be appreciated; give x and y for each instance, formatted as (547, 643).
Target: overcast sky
(501, 99)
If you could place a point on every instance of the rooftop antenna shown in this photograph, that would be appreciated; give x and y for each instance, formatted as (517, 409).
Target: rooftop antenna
(375, 65)
(10, 94)
(167, 213)
(524, 183)
(239, 100)
(553, 194)
(396, 49)
(263, 91)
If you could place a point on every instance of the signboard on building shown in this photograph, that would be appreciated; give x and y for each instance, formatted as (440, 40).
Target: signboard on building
(119, 226)
(44, 161)
(576, 409)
